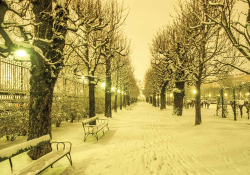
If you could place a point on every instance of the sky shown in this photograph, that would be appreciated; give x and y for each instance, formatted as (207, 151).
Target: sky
(144, 19)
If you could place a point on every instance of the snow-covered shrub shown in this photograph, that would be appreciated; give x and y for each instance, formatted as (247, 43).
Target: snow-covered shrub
(14, 124)
(68, 109)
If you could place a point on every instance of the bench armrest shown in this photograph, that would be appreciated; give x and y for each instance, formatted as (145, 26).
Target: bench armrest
(63, 143)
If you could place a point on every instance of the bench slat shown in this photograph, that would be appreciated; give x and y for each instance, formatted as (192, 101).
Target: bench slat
(43, 162)
(89, 120)
(16, 149)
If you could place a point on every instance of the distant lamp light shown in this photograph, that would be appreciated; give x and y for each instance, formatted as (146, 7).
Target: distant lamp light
(194, 91)
(225, 94)
(247, 94)
(122, 92)
(112, 89)
(103, 85)
(118, 91)
(171, 95)
(209, 95)
(83, 77)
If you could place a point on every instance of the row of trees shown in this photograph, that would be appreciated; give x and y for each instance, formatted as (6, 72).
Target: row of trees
(205, 40)
(82, 38)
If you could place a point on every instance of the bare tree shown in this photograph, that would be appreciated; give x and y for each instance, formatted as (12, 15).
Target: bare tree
(207, 49)
(88, 43)
(117, 65)
(233, 24)
(42, 27)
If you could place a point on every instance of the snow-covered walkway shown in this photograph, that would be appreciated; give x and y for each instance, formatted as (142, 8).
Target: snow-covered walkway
(144, 140)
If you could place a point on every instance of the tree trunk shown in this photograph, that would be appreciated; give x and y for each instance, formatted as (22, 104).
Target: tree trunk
(158, 100)
(115, 104)
(151, 100)
(198, 104)
(120, 101)
(154, 100)
(128, 100)
(116, 98)
(124, 100)
(178, 99)
(92, 99)
(234, 105)
(43, 75)
(223, 107)
(108, 112)
(163, 100)
(163, 95)
(41, 96)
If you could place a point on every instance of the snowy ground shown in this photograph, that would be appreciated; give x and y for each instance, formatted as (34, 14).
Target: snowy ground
(144, 140)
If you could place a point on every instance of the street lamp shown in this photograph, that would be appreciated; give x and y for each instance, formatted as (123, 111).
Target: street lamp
(103, 85)
(194, 91)
(21, 55)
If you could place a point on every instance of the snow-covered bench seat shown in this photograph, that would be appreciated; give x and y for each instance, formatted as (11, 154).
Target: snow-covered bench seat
(37, 166)
(94, 129)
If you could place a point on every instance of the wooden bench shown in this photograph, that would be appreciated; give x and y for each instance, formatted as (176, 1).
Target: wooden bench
(94, 129)
(39, 165)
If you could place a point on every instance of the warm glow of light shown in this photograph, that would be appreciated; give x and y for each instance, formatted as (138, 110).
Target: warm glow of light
(59, 98)
(247, 93)
(209, 95)
(225, 94)
(118, 91)
(83, 77)
(122, 92)
(171, 95)
(194, 91)
(103, 85)
(21, 53)
(112, 89)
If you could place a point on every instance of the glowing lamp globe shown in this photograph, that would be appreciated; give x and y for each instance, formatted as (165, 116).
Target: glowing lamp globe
(21, 53)
(103, 85)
